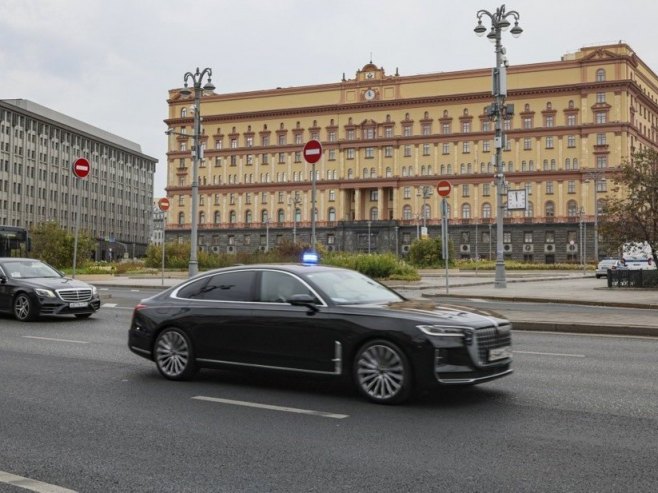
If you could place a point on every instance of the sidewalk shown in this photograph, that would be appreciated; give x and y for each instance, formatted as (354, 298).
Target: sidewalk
(547, 287)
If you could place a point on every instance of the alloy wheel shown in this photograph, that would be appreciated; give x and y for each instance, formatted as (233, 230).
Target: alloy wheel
(172, 354)
(380, 372)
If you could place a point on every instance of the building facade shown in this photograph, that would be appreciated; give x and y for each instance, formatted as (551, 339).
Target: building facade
(37, 149)
(389, 139)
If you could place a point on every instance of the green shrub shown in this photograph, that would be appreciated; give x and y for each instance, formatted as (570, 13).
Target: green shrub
(377, 265)
(428, 252)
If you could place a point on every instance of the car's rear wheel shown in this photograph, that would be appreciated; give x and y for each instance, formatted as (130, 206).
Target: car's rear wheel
(382, 372)
(24, 309)
(174, 354)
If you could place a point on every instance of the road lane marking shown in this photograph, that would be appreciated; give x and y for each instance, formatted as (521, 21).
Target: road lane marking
(56, 340)
(31, 484)
(135, 290)
(109, 305)
(321, 414)
(551, 354)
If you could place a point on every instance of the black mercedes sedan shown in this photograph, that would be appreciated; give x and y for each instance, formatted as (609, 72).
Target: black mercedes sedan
(317, 320)
(30, 288)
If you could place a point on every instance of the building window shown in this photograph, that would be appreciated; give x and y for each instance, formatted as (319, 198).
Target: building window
(549, 142)
(466, 191)
(601, 162)
(571, 120)
(466, 127)
(282, 158)
(600, 75)
(571, 141)
(550, 121)
(349, 153)
(406, 131)
(600, 139)
(426, 149)
(486, 126)
(406, 213)
(445, 128)
(407, 151)
(373, 195)
(388, 132)
(600, 97)
(332, 195)
(549, 187)
(601, 117)
(572, 208)
(527, 144)
(332, 154)
(527, 237)
(466, 147)
(427, 129)
(446, 148)
(331, 214)
(369, 152)
(388, 151)
(406, 193)
(571, 186)
(486, 146)
(466, 211)
(527, 122)
(550, 209)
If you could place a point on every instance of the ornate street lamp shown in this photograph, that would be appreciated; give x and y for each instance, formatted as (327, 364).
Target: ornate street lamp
(498, 111)
(197, 155)
(595, 176)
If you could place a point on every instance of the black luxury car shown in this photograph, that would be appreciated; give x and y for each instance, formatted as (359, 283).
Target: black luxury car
(317, 320)
(30, 288)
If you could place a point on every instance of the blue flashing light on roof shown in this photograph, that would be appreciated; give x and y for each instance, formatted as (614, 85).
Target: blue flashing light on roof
(310, 258)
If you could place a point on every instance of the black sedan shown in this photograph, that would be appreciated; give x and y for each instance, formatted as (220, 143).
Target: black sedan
(317, 320)
(30, 288)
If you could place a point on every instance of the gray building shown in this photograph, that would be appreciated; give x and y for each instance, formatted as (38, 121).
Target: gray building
(38, 147)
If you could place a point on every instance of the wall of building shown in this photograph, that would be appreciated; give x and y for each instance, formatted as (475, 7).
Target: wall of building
(388, 138)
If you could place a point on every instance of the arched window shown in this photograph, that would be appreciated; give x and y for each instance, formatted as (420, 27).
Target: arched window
(466, 211)
(373, 172)
(553, 165)
(298, 214)
(600, 75)
(531, 210)
(550, 209)
(462, 169)
(404, 171)
(572, 208)
(374, 214)
(571, 104)
(181, 218)
(427, 211)
(389, 172)
(202, 217)
(486, 210)
(406, 213)
(232, 217)
(575, 163)
(422, 170)
(264, 218)
(247, 216)
(545, 164)
(331, 214)
(450, 169)
(350, 174)
(365, 172)
(217, 217)
(280, 216)
(183, 112)
(567, 164)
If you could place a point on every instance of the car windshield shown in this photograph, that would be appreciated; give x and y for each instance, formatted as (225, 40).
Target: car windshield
(29, 269)
(348, 288)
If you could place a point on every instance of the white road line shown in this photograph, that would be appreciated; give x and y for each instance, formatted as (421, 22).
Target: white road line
(272, 408)
(135, 290)
(109, 305)
(551, 354)
(31, 484)
(56, 340)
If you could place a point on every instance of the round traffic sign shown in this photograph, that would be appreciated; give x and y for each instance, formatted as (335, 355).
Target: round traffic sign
(81, 167)
(163, 204)
(312, 151)
(444, 187)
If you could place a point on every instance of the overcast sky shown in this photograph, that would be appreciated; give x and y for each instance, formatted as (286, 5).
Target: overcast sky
(110, 63)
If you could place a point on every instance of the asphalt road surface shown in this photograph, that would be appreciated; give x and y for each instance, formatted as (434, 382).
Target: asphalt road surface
(79, 411)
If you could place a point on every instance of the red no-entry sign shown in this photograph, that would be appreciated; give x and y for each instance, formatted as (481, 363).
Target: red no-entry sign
(312, 151)
(81, 167)
(163, 204)
(444, 187)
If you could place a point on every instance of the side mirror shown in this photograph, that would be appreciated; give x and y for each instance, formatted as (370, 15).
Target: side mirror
(3, 279)
(303, 300)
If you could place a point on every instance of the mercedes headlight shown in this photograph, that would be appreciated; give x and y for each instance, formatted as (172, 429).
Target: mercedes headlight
(45, 293)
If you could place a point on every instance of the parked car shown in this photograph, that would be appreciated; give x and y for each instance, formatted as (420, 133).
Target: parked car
(640, 263)
(30, 288)
(318, 320)
(604, 265)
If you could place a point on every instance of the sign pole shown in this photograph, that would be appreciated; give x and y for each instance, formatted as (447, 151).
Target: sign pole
(312, 153)
(444, 239)
(163, 204)
(80, 168)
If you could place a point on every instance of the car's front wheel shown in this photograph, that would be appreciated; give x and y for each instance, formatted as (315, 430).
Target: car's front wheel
(24, 309)
(382, 372)
(174, 354)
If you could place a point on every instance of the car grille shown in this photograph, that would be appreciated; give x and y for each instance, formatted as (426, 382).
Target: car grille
(71, 295)
(491, 338)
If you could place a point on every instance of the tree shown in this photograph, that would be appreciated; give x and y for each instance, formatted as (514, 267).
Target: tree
(54, 245)
(633, 218)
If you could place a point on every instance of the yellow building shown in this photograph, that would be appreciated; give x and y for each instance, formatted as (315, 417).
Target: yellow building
(389, 139)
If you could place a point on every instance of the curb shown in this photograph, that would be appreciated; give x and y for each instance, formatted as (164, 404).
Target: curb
(621, 330)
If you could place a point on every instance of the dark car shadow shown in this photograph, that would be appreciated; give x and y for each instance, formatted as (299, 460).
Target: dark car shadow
(48, 319)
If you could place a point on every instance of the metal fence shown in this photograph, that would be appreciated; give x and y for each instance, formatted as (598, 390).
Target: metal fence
(624, 278)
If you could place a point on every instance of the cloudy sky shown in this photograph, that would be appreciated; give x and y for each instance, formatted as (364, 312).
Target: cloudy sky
(110, 63)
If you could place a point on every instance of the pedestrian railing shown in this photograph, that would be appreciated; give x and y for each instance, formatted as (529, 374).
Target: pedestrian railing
(625, 278)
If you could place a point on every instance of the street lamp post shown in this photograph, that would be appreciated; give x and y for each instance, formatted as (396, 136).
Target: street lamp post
(294, 202)
(595, 176)
(498, 111)
(369, 225)
(197, 155)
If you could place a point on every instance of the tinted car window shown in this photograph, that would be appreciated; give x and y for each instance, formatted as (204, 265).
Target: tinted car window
(230, 286)
(193, 290)
(279, 287)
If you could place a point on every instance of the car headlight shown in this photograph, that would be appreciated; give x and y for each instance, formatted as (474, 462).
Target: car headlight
(441, 330)
(94, 291)
(44, 293)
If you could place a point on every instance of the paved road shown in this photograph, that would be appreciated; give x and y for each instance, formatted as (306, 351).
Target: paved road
(579, 414)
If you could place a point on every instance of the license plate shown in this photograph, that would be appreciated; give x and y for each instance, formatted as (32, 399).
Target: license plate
(500, 353)
(78, 304)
